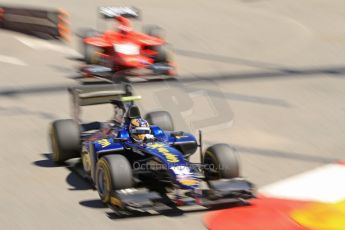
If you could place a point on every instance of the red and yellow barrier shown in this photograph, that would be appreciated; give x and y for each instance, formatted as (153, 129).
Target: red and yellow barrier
(44, 23)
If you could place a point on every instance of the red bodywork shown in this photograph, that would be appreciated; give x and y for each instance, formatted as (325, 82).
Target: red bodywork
(125, 34)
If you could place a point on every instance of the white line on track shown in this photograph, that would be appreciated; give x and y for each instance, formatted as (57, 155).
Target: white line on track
(38, 44)
(324, 184)
(12, 60)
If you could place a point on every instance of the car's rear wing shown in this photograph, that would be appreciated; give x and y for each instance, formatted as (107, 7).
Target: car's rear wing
(96, 94)
(99, 94)
(111, 12)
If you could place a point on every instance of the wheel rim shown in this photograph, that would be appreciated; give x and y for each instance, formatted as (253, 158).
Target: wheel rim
(95, 55)
(101, 182)
(55, 149)
(94, 58)
(85, 158)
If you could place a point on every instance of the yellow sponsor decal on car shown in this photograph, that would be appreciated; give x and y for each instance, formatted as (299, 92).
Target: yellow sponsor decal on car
(189, 182)
(103, 142)
(172, 158)
(116, 202)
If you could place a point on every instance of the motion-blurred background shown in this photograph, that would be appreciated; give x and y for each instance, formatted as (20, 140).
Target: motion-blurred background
(264, 76)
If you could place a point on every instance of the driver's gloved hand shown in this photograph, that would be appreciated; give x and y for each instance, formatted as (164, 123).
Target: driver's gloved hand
(149, 138)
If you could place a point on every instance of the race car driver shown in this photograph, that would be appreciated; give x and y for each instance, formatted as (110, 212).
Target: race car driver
(139, 130)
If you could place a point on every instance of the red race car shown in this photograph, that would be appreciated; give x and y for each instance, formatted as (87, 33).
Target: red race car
(125, 49)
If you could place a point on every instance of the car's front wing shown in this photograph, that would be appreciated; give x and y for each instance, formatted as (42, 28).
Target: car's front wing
(221, 192)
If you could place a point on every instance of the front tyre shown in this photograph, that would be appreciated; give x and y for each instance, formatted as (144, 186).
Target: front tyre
(65, 140)
(113, 172)
(221, 162)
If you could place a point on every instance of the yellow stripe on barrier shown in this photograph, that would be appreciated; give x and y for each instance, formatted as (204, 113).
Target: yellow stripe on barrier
(321, 216)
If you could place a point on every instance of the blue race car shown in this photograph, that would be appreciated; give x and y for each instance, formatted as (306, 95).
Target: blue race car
(140, 164)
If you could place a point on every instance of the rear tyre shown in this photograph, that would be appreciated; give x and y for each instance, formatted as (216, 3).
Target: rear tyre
(162, 119)
(221, 162)
(113, 172)
(154, 31)
(65, 140)
(87, 32)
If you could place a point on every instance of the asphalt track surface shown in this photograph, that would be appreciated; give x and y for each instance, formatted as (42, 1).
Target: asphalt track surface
(277, 67)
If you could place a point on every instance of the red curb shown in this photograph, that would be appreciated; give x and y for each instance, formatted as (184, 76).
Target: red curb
(341, 163)
(262, 214)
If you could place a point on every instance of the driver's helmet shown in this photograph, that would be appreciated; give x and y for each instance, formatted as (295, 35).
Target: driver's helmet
(139, 129)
